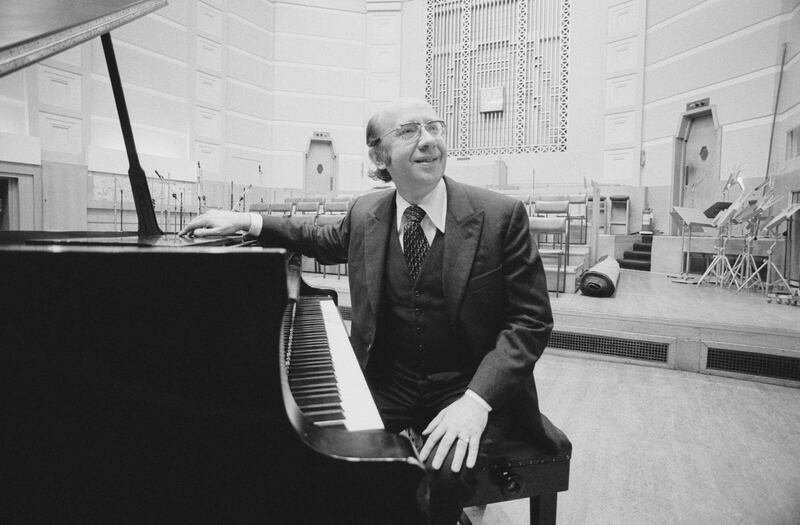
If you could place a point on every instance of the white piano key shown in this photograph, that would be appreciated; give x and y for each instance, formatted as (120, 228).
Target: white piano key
(357, 403)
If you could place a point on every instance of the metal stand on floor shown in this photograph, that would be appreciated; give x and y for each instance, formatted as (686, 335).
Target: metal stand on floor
(780, 289)
(779, 278)
(745, 271)
(690, 219)
(720, 269)
(719, 272)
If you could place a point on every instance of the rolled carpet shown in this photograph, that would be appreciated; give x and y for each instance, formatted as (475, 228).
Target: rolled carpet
(601, 279)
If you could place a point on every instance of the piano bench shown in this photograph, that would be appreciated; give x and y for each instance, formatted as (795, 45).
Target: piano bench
(520, 470)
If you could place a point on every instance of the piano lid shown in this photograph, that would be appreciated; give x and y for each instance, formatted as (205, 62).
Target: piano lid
(32, 30)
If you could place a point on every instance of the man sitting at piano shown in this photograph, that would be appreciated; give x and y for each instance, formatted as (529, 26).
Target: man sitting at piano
(449, 300)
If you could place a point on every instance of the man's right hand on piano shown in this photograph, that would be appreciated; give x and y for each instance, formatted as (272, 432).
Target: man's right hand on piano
(217, 222)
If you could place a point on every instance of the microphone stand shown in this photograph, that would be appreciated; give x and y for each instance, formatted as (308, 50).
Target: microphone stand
(161, 178)
(240, 204)
(201, 198)
(175, 209)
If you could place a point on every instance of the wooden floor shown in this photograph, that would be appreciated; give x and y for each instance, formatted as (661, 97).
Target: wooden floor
(652, 296)
(654, 445)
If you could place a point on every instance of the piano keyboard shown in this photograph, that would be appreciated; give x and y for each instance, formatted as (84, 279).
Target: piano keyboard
(324, 376)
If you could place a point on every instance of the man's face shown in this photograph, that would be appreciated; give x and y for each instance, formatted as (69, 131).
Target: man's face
(416, 165)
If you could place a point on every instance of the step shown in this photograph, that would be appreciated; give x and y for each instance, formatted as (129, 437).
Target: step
(643, 246)
(647, 238)
(635, 254)
(634, 264)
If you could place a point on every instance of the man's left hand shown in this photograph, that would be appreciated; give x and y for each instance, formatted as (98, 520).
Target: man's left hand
(461, 424)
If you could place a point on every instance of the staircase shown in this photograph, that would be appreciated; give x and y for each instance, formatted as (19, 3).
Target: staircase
(639, 257)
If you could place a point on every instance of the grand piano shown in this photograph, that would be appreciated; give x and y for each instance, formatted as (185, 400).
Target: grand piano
(147, 378)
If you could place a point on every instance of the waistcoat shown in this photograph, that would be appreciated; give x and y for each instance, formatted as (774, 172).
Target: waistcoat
(413, 328)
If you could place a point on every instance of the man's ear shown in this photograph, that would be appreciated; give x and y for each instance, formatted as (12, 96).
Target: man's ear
(377, 157)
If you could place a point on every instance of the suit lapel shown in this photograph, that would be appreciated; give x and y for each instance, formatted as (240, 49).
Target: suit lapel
(379, 222)
(462, 233)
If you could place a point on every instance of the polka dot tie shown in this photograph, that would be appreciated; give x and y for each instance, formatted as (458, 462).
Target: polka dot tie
(415, 245)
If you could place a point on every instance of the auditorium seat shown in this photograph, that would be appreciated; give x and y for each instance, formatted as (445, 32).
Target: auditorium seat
(556, 233)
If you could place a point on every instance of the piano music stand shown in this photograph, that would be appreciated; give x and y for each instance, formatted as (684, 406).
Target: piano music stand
(691, 220)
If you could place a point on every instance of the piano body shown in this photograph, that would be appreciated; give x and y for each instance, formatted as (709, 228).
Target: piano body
(146, 378)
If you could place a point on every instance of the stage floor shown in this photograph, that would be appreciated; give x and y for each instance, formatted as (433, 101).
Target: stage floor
(656, 445)
(650, 296)
(687, 320)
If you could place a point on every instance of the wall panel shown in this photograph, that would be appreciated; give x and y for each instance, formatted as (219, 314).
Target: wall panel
(248, 100)
(751, 52)
(144, 69)
(318, 81)
(328, 23)
(716, 20)
(300, 49)
(301, 108)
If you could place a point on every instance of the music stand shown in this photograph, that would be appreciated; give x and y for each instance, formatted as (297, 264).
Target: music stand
(746, 272)
(713, 210)
(720, 268)
(690, 219)
(784, 215)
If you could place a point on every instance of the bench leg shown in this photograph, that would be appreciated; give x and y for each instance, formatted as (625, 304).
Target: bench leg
(543, 509)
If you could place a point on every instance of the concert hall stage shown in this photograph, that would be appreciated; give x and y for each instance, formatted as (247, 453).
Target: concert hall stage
(654, 321)
(657, 444)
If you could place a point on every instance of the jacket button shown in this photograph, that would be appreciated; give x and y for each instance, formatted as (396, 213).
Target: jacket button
(417, 312)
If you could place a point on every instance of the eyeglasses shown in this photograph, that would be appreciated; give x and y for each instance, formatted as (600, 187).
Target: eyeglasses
(411, 131)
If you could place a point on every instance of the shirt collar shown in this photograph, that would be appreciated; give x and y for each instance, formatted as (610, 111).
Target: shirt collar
(434, 204)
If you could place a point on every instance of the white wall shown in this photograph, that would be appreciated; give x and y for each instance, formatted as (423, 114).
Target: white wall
(238, 84)
(728, 52)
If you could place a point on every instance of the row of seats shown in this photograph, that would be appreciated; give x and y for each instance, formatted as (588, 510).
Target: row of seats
(304, 207)
(324, 211)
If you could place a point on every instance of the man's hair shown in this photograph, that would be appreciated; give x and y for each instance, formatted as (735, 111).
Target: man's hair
(375, 146)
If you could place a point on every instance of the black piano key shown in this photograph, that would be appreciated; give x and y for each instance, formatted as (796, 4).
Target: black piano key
(313, 407)
(311, 369)
(325, 415)
(328, 386)
(316, 400)
(309, 380)
(309, 365)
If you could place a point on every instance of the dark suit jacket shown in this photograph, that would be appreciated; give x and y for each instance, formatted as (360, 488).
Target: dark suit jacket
(494, 285)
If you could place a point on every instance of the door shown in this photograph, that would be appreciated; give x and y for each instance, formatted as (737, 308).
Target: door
(319, 178)
(701, 185)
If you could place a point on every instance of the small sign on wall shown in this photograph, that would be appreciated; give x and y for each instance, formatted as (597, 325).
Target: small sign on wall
(492, 99)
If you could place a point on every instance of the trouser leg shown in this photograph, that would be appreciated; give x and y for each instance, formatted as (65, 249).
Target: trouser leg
(407, 400)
